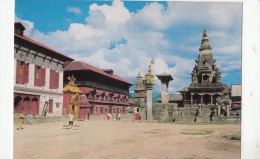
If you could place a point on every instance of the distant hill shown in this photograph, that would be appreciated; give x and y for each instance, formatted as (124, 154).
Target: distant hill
(156, 95)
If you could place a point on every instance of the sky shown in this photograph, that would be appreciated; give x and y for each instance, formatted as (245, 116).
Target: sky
(126, 35)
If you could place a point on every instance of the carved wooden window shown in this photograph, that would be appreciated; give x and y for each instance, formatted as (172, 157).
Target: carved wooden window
(21, 68)
(39, 76)
(54, 79)
(22, 72)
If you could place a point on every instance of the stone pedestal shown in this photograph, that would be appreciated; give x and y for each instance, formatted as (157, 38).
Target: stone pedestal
(149, 83)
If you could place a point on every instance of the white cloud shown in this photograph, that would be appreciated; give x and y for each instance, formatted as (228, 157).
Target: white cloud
(152, 16)
(75, 10)
(113, 15)
(222, 15)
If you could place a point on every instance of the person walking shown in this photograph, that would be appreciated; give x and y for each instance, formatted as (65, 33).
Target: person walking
(108, 116)
(20, 118)
(114, 115)
(119, 116)
(71, 116)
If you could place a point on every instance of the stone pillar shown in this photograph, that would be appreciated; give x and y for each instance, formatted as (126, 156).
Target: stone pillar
(164, 93)
(211, 98)
(165, 79)
(227, 110)
(201, 102)
(149, 105)
(218, 110)
(149, 83)
(191, 100)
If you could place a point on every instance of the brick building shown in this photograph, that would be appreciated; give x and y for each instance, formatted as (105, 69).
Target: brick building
(102, 91)
(38, 76)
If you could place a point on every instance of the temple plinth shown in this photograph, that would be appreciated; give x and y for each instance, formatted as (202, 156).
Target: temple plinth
(165, 79)
(149, 83)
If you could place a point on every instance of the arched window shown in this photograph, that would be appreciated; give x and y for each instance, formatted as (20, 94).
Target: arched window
(26, 99)
(17, 99)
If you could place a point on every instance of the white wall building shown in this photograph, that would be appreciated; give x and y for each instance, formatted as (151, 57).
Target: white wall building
(38, 76)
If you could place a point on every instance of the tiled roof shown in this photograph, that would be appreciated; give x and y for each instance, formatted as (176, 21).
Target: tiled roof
(40, 45)
(78, 65)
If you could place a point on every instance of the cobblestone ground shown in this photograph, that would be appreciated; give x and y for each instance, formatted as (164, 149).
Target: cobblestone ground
(126, 140)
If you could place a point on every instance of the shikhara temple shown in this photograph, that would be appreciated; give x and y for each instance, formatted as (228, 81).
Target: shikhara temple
(206, 85)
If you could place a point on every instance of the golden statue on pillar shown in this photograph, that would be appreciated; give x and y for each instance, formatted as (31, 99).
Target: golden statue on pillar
(149, 78)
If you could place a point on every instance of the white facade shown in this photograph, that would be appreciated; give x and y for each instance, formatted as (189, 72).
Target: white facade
(45, 93)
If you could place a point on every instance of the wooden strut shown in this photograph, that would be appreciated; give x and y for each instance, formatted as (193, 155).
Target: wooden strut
(45, 107)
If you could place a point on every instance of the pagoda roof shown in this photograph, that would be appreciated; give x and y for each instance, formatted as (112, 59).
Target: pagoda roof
(79, 65)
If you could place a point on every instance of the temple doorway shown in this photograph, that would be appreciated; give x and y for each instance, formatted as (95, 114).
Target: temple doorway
(206, 99)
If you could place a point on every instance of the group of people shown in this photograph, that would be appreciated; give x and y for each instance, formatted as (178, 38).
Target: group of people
(116, 116)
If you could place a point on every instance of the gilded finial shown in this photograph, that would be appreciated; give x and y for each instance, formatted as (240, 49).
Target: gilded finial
(150, 69)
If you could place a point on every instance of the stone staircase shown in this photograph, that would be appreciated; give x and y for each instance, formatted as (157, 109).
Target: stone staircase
(187, 115)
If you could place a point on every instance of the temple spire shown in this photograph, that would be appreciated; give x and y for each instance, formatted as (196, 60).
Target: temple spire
(139, 75)
(205, 45)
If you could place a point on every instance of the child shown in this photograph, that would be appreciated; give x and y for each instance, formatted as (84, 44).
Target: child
(71, 116)
(119, 116)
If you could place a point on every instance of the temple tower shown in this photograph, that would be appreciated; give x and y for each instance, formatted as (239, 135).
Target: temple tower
(206, 83)
(140, 91)
(149, 83)
(165, 79)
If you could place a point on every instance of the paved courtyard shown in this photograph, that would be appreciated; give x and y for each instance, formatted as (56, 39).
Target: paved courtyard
(127, 140)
